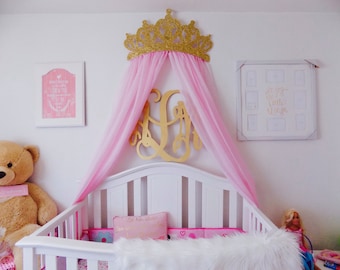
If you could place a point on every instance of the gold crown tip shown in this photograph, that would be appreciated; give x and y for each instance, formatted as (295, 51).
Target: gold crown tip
(156, 37)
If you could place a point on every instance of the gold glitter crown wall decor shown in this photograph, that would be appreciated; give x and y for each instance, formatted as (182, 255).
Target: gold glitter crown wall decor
(168, 34)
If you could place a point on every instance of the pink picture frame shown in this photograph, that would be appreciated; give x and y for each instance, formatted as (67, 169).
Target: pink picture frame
(60, 94)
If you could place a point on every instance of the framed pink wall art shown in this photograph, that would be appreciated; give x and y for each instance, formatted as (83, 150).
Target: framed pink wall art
(60, 94)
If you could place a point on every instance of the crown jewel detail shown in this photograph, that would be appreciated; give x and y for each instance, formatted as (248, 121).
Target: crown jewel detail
(168, 34)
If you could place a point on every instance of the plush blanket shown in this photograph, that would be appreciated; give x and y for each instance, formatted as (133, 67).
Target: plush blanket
(276, 250)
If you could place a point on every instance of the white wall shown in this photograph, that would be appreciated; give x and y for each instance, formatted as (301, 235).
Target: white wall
(299, 174)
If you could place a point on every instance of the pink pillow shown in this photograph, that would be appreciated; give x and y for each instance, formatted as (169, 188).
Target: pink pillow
(154, 226)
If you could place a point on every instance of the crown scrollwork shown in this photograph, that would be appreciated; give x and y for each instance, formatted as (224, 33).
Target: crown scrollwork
(168, 34)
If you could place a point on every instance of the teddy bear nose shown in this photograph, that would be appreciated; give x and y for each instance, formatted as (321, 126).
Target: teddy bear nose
(2, 174)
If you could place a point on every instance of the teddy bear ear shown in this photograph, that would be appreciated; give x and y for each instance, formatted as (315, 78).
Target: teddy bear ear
(34, 151)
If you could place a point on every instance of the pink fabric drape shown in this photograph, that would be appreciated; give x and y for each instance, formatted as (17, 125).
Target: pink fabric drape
(197, 85)
(197, 88)
(137, 83)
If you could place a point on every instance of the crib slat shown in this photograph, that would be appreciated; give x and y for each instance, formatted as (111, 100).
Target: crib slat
(67, 228)
(30, 258)
(70, 226)
(233, 209)
(51, 262)
(92, 264)
(71, 263)
(111, 265)
(212, 206)
(96, 206)
(117, 202)
(139, 195)
(137, 186)
(84, 221)
(74, 226)
(61, 232)
(165, 192)
(194, 205)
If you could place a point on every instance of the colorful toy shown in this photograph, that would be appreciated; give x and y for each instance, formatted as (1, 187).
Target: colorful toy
(330, 256)
(292, 223)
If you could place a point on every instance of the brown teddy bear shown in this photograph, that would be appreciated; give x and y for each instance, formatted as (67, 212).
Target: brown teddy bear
(24, 206)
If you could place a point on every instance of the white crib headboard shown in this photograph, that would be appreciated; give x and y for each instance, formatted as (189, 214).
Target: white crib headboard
(192, 197)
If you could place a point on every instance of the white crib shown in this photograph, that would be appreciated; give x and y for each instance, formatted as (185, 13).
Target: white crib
(192, 198)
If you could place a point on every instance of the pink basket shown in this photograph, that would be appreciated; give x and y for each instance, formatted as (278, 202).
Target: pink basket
(7, 263)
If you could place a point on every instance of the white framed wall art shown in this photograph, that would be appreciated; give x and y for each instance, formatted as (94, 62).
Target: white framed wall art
(276, 100)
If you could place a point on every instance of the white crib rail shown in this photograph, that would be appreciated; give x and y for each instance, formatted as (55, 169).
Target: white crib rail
(38, 248)
(45, 250)
(67, 251)
(254, 220)
(67, 224)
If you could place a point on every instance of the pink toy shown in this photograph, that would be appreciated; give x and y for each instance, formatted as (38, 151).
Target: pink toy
(329, 255)
(293, 223)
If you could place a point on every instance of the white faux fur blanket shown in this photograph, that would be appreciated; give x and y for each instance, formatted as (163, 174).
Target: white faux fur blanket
(276, 250)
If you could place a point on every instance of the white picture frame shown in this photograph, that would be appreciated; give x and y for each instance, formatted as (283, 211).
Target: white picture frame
(276, 100)
(60, 94)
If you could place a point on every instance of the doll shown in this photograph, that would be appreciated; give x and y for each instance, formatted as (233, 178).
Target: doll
(292, 223)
